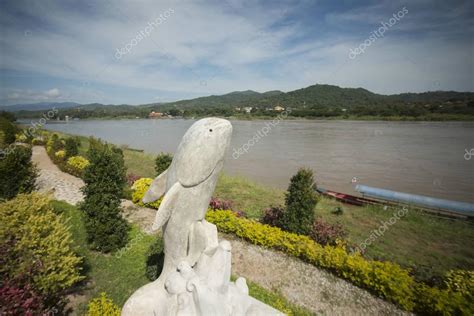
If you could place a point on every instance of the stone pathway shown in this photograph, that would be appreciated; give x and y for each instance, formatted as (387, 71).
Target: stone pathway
(301, 283)
(63, 186)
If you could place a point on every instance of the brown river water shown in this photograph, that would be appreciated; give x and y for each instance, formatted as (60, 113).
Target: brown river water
(428, 158)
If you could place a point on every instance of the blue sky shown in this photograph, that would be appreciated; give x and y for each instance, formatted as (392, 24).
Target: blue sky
(74, 51)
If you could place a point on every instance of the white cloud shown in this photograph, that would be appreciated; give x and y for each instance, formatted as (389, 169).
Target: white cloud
(233, 45)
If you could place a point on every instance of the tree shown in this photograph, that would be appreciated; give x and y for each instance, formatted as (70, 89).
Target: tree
(301, 200)
(72, 146)
(7, 132)
(17, 172)
(162, 162)
(105, 180)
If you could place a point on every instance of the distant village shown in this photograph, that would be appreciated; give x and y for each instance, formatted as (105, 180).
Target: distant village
(246, 109)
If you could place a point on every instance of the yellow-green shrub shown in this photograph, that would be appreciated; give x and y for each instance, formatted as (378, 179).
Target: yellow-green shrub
(60, 154)
(76, 165)
(102, 306)
(139, 189)
(40, 238)
(21, 138)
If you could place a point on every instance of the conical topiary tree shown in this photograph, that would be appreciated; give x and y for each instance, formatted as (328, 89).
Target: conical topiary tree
(105, 180)
(301, 200)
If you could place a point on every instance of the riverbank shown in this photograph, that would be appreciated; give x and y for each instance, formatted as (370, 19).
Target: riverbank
(428, 244)
(285, 282)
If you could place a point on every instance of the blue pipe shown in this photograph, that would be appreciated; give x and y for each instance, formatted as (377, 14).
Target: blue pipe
(420, 200)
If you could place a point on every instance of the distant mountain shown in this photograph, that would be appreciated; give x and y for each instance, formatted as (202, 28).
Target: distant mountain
(318, 100)
(230, 100)
(38, 106)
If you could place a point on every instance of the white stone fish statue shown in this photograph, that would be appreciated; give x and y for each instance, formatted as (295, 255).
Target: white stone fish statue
(196, 272)
(187, 186)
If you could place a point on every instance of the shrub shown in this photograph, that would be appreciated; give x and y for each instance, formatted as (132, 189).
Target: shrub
(327, 234)
(76, 165)
(139, 188)
(35, 236)
(71, 146)
(37, 142)
(104, 183)
(272, 216)
(131, 178)
(17, 297)
(155, 259)
(60, 155)
(162, 162)
(219, 204)
(17, 172)
(102, 306)
(7, 132)
(53, 145)
(300, 201)
(21, 138)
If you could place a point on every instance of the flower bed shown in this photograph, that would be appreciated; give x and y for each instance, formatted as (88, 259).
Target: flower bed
(385, 279)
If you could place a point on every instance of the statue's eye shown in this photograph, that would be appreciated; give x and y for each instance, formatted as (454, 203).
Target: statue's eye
(210, 130)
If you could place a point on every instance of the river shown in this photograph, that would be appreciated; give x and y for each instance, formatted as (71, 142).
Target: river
(427, 158)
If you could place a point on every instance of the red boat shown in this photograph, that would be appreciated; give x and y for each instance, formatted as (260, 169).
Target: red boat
(347, 198)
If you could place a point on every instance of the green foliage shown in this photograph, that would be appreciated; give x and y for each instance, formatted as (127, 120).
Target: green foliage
(102, 306)
(155, 259)
(76, 165)
(162, 162)
(105, 181)
(60, 155)
(301, 200)
(53, 145)
(7, 132)
(17, 172)
(71, 146)
(8, 116)
(39, 238)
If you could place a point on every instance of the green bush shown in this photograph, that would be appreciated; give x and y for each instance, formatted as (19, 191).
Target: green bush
(17, 172)
(76, 165)
(53, 145)
(40, 239)
(162, 162)
(7, 132)
(155, 259)
(104, 183)
(301, 200)
(72, 146)
(102, 306)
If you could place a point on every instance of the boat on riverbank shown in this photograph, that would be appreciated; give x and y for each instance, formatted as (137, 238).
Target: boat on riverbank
(391, 198)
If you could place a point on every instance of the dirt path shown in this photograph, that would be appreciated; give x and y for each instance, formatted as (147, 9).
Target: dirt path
(63, 186)
(301, 283)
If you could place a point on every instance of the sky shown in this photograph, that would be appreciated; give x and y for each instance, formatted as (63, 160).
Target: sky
(138, 52)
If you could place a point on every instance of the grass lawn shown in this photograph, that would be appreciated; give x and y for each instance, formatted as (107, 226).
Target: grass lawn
(120, 276)
(430, 243)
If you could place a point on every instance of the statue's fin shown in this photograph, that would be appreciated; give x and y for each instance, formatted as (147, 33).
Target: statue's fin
(157, 188)
(166, 206)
